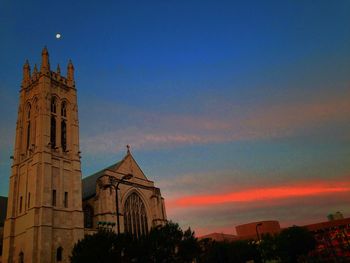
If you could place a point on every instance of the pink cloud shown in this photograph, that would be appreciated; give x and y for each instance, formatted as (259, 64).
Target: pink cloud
(260, 194)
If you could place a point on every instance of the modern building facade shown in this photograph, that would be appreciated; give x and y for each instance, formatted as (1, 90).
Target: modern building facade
(45, 215)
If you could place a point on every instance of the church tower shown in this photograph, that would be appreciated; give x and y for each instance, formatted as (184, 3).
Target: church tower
(44, 213)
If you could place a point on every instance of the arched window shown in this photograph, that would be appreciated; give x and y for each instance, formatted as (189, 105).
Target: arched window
(135, 216)
(53, 132)
(53, 105)
(53, 123)
(88, 216)
(64, 109)
(59, 254)
(64, 135)
(21, 257)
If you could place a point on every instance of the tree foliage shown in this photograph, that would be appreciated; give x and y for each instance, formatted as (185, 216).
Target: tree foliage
(294, 242)
(227, 252)
(166, 243)
(169, 244)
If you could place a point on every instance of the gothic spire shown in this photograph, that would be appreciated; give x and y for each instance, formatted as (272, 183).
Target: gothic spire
(26, 72)
(58, 69)
(70, 70)
(35, 71)
(45, 64)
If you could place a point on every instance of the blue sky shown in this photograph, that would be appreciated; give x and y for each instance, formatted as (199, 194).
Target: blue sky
(212, 96)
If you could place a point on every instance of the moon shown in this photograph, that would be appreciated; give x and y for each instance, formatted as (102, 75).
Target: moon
(58, 35)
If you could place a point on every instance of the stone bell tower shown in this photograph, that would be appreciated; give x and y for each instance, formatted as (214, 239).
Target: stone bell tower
(44, 213)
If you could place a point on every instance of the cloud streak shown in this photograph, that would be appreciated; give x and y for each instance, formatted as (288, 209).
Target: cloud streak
(258, 194)
(149, 130)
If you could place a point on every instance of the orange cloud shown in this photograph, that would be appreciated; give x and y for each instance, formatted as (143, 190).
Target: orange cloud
(259, 194)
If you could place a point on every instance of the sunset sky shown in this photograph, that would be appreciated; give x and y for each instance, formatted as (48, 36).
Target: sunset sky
(238, 111)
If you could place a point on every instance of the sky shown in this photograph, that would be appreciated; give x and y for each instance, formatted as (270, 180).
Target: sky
(238, 110)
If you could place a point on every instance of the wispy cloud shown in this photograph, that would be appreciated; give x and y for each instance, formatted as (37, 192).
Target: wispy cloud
(149, 130)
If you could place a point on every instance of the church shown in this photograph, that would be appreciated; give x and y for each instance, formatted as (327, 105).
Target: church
(50, 207)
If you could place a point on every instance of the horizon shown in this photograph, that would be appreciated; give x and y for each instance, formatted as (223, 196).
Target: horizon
(238, 112)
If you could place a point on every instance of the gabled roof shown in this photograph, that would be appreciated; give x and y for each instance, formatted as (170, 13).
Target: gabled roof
(89, 183)
(127, 163)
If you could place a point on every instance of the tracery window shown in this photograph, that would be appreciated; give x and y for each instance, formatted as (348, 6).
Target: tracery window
(135, 216)
(64, 135)
(88, 216)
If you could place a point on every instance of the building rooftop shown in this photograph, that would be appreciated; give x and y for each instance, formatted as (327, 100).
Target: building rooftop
(89, 183)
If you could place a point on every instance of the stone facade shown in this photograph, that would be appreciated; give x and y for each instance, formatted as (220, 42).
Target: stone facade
(45, 215)
(139, 202)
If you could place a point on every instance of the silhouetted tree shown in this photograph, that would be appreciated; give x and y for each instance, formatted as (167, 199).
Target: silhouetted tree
(228, 252)
(188, 248)
(166, 243)
(294, 242)
(99, 248)
(268, 247)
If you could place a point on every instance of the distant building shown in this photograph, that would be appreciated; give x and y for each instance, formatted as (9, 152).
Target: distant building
(219, 237)
(256, 229)
(336, 216)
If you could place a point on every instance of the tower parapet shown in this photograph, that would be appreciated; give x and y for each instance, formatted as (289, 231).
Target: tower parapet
(31, 80)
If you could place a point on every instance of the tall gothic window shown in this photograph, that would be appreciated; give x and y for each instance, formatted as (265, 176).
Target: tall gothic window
(53, 132)
(53, 105)
(28, 127)
(64, 135)
(135, 216)
(53, 123)
(20, 204)
(88, 216)
(64, 109)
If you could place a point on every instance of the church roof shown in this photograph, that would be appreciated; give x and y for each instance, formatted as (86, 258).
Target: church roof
(89, 183)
